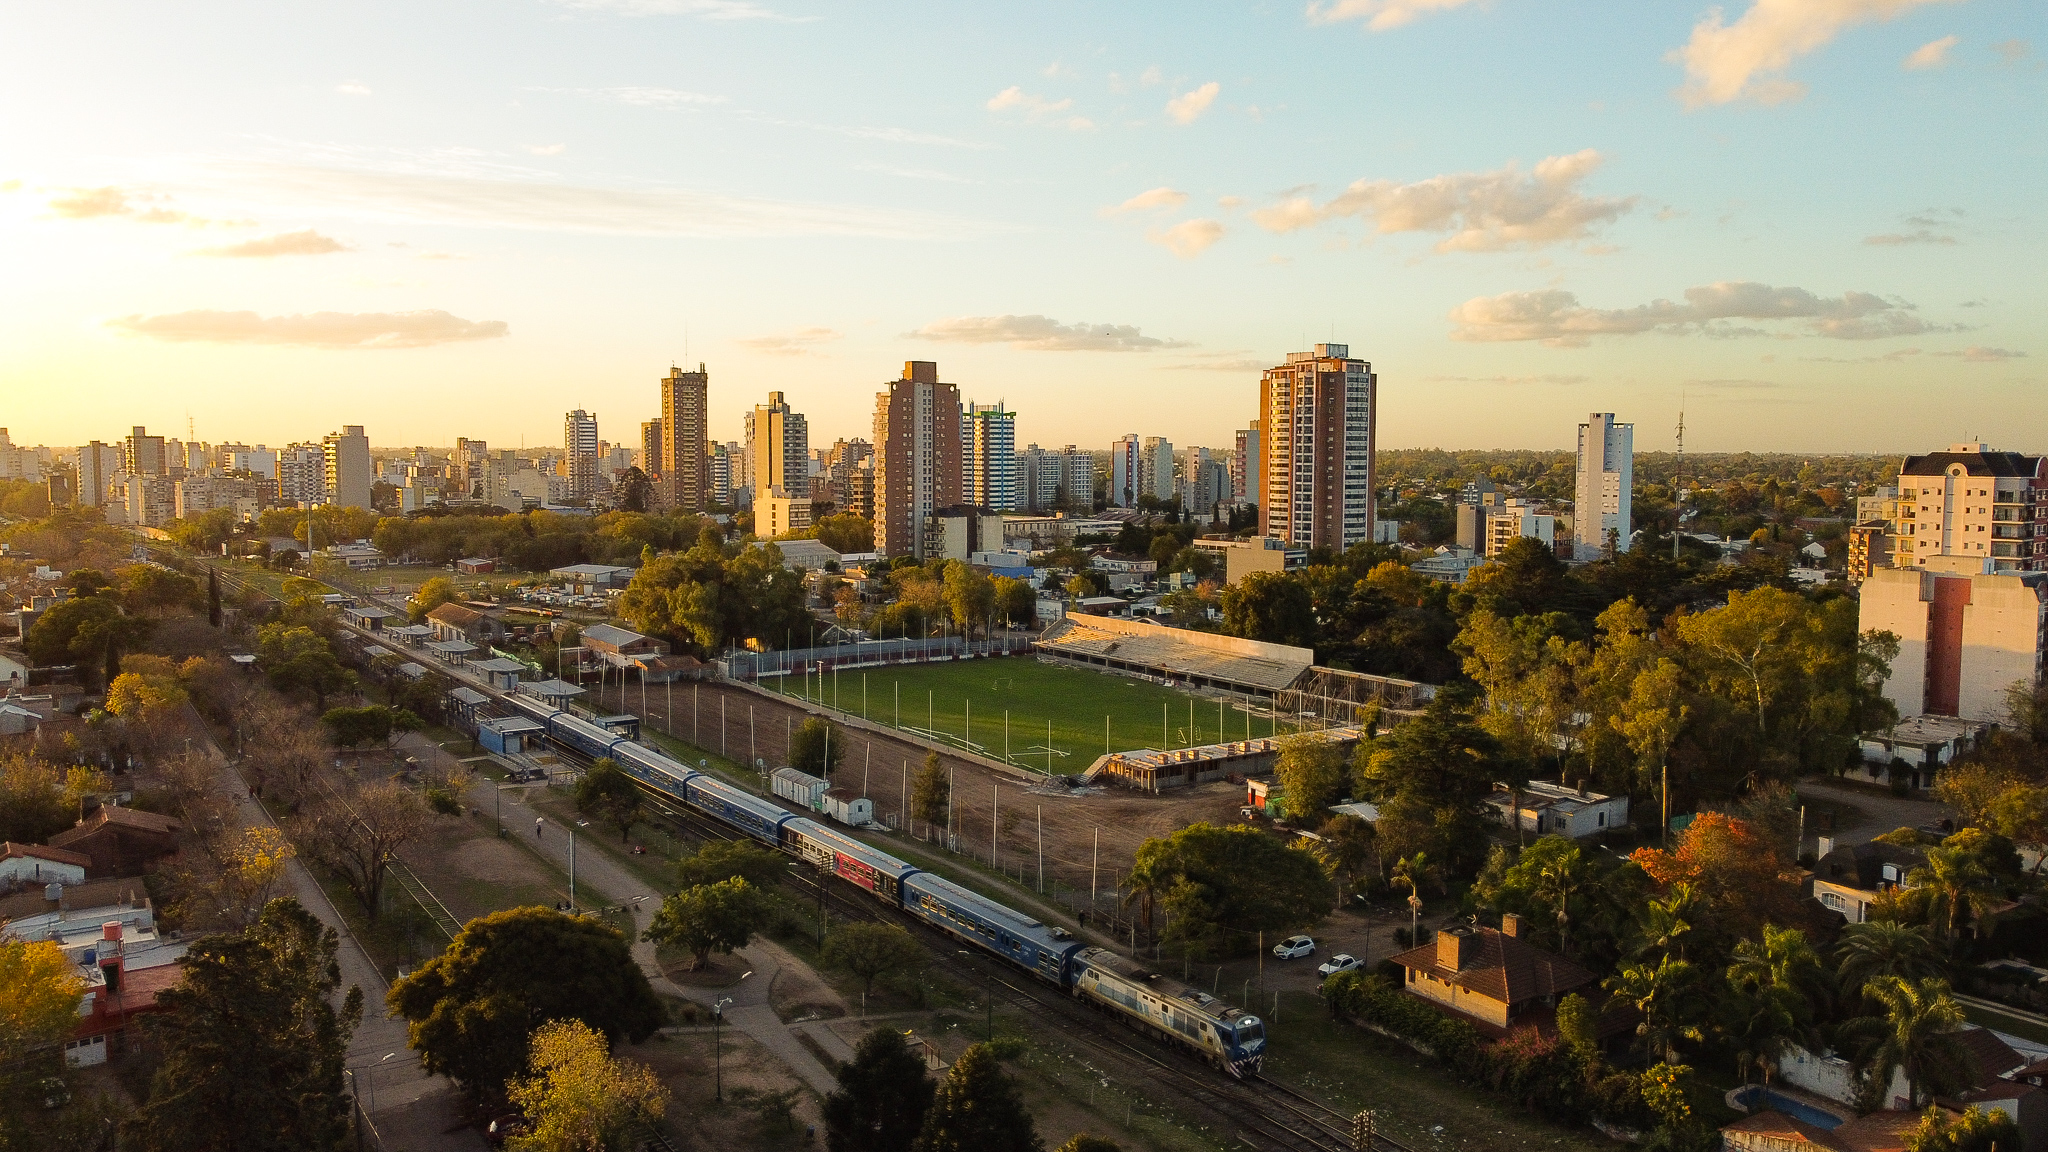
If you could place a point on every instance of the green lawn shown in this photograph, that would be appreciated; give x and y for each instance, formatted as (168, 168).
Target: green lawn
(1076, 701)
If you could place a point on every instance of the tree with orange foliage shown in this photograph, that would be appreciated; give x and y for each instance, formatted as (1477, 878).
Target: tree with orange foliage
(1734, 869)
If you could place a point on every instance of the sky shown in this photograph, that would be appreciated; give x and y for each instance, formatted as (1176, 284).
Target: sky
(1816, 225)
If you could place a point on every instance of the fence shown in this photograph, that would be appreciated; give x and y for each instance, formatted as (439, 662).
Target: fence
(868, 653)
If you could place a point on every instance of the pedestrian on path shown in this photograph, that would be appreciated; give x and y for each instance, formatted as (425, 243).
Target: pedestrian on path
(536, 826)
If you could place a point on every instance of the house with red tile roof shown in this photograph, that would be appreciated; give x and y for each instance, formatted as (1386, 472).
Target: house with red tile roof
(1493, 977)
(120, 841)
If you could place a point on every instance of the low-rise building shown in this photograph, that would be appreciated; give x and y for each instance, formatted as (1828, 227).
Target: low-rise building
(619, 647)
(1966, 634)
(453, 621)
(1449, 566)
(591, 578)
(960, 530)
(1241, 558)
(1492, 977)
(779, 513)
(41, 864)
(1554, 808)
(1851, 878)
(1923, 744)
(476, 566)
(120, 841)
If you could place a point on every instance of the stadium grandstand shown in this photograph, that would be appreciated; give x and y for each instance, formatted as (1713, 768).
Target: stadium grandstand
(1201, 660)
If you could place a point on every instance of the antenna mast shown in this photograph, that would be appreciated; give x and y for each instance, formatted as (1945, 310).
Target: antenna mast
(1677, 478)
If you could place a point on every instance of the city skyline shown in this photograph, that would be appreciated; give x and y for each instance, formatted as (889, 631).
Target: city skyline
(1079, 215)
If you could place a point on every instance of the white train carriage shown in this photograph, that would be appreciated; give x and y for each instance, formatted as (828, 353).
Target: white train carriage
(849, 859)
(1223, 1034)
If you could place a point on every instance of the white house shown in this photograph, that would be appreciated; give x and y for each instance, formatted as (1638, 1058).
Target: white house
(1550, 807)
(41, 864)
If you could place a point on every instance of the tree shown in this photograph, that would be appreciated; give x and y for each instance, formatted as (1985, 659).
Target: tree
(1732, 868)
(148, 588)
(1016, 603)
(354, 727)
(52, 637)
(1916, 1035)
(358, 835)
(1222, 886)
(1269, 606)
(817, 747)
(1779, 988)
(1312, 771)
(970, 597)
(720, 860)
(632, 491)
(609, 794)
(977, 1108)
(147, 699)
(709, 918)
(435, 592)
(579, 1099)
(252, 1044)
(1667, 998)
(1960, 880)
(931, 797)
(883, 1095)
(296, 658)
(39, 995)
(1974, 1131)
(1085, 583)
(872, 950)
(1876, 949)
(33, 806)
(472, 1007)
(252, 868)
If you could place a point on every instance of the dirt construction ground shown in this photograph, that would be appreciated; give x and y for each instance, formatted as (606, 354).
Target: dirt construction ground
(1123, 819)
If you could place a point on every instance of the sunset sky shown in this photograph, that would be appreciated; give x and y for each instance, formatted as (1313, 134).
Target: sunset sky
(1820, 221)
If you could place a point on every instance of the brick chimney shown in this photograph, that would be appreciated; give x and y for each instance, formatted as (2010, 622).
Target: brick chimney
(1510, 924)
(1453, 947)
(110, 956)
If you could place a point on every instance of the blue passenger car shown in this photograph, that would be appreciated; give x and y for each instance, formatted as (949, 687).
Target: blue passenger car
(975, 918)
(652, 768)
(756, 817)
(581, 736)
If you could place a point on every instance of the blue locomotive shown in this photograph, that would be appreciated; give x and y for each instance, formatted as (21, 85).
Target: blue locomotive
(1185, 1016)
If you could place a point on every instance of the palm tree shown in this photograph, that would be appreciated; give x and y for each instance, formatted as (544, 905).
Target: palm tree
(1958, 876)
(1879, 948)
(1778, 984)
(1411, 872)
(1665, 996)
(1561, 879)
(1916, 1035)
(1664, 925)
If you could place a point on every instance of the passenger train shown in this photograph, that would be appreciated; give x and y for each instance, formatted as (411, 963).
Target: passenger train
(1225, 1036)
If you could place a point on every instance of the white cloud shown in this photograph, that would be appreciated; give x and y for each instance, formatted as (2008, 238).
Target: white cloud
(797, 342)
(1933, 54)
(95, 203)
(1977, 355)
(1152, 75)
(1893, 239)
(1509, 380)
(1161, 197)
(2012, 51)
(312, 329)
(1043, 334)
(1189, 238)
(1037, 108)
(1481, 211)
(1188, 106)
(1235, 360)
(1727, 62)
(303, 243)
(547, 149)
(1556, 317)
(708, 9)
(352, 88)
(493, 200)
(1379, 15)
(638, 96)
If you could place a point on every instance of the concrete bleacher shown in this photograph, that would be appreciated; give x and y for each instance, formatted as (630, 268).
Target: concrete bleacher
(1194, 659)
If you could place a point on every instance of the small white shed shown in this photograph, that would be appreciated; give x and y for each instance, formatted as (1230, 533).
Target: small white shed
(847, 807)
(801, 788)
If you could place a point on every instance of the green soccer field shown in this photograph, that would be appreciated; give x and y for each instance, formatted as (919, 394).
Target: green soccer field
(1075, 701)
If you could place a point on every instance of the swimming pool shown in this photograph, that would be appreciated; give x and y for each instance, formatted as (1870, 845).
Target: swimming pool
(1757, 1096)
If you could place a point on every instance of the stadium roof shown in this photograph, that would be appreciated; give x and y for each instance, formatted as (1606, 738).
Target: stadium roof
(1200, 657)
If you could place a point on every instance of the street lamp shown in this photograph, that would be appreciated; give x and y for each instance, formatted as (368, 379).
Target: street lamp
(991, 975)
(718, 1047)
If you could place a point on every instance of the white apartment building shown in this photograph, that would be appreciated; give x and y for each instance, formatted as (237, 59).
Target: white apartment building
(98, 464)
(779, 440)
(346, 467)
(988, 457)
(1124, 460)
(1606, 481)
(579, 453)
(302, 475)
(1973, 503)
(1967, 634)
(1155, 469)
(18, 463)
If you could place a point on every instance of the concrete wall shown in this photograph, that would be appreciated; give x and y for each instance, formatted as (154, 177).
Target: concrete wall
(2001, 643)
(1895, 600)
(1458, 999)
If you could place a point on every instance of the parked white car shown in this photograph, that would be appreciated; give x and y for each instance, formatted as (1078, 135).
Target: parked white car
(1293, 947)
(1341, 962)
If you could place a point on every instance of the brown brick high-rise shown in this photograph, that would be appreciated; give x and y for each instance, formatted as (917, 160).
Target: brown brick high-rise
(685, 404)
(917, 456)
(1317, 423)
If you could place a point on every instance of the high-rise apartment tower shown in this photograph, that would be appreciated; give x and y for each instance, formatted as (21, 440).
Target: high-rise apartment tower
(988, 457)
(346, 467)
(782, 449)
(1600, 508)
(579, 453)
(685, 416)
(1317, 422)
(1976, 503)
(917, 456)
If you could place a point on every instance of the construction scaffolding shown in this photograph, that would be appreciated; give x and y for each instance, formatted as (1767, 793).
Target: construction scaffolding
(1341, 697)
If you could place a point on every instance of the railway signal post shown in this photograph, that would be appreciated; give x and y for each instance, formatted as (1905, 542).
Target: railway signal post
(1361, 1131)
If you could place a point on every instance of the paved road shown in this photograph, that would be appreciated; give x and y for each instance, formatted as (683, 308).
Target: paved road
(597, 872)
(1877, 811)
